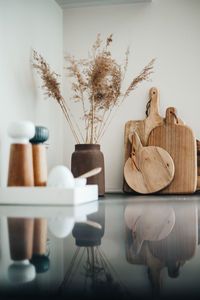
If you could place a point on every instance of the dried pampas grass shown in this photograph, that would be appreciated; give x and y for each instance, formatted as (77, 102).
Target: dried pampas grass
(96, 85)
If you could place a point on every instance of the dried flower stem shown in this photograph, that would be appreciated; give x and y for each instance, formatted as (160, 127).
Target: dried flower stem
(87, 132)
(101, 124)
(126, 62)
(66, 114)
(92, 122)
(72, 118)
(84, 111)
(104, 125)
(144, 75)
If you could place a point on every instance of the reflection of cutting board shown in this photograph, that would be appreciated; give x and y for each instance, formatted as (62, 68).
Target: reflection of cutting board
(179, 142)
(143, 128)
(181, 243)
(150, 222)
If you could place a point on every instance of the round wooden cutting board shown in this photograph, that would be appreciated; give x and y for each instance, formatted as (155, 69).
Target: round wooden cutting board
(150, 169)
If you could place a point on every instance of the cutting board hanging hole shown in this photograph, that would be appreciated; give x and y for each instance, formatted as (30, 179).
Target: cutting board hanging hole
(176, 118)
(171, 116)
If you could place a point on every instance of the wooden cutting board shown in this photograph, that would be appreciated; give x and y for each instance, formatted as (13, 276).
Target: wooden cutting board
(143, 128)
(179, 142)
(150, 169)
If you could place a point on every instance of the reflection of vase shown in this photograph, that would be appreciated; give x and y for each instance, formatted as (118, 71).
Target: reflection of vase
(85, 158)
(87, 235)
(89, 267)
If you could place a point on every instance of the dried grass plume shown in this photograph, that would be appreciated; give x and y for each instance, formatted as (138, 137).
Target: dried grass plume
(96, 86)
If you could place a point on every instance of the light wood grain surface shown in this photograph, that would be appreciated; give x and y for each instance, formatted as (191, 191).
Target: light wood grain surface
(143, 127)
(20, 171)
(179, 142)
(153, 168)
(39, 164)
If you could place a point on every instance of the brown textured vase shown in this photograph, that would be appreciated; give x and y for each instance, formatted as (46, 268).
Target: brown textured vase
(85, 158)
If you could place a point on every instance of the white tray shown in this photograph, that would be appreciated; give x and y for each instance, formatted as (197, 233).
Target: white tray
(48, 195)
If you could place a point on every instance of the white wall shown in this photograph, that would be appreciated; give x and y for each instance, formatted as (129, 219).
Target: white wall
(165, 29)
(27, 24)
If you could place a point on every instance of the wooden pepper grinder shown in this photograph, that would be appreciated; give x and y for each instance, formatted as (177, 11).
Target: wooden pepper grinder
(20, 171)
(39, 155)
(39, 258)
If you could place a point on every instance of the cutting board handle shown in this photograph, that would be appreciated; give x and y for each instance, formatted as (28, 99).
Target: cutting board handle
(155, 101)
(171, 115)
(136, 141)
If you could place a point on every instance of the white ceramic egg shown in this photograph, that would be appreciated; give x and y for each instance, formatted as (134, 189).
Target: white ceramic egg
(61, 226)
(21, 271)
(21, 131)
(61, 177)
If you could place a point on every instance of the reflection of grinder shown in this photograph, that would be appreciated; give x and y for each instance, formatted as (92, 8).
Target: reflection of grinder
(21, 246)
(20, 230)
(39, 259)
(20, 238)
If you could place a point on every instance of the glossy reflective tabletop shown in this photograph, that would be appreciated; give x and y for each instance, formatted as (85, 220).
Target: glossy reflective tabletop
(121, 247)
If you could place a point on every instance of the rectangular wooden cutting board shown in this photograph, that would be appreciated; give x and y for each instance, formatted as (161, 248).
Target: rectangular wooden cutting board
(179, 141)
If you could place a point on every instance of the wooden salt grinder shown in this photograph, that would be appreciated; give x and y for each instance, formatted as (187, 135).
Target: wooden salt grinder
(40, 179)
(20, 171)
